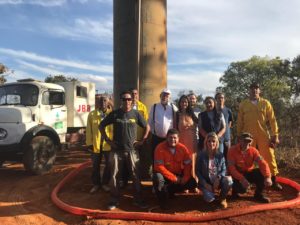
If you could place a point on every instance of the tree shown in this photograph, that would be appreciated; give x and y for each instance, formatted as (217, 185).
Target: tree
(3, 70)
(59, 78)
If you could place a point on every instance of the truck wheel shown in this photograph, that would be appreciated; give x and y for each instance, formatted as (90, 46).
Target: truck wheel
(40, 155)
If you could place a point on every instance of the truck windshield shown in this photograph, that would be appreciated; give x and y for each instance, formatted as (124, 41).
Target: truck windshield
(19, 94)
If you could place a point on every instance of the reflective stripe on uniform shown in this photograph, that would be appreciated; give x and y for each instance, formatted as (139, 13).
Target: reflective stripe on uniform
(188, 161)
(258, 158)
(159, 161)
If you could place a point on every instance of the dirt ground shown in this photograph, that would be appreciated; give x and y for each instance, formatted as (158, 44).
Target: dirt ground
(25, 199)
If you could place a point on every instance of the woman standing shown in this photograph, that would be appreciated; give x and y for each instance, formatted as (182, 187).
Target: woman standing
(211, 171)
(211, 120)
(187, 126)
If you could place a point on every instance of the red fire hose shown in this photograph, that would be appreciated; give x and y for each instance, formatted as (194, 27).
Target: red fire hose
(180, 217)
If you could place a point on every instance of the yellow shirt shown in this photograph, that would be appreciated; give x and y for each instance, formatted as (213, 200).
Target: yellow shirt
(93, 135)
(256, 119)
(144, 112)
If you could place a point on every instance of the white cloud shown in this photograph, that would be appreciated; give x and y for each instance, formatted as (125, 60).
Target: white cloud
(200, 82)
(44, 3)
(100, 81)
(238, 29)
(100, 30)
(44, 59)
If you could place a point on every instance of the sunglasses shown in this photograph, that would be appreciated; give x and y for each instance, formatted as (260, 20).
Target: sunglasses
(126, 99)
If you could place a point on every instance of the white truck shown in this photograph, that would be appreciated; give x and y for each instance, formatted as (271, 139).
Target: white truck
(35, 118)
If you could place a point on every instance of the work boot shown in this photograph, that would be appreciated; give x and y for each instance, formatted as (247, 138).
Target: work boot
(275, 185)
(261, 198)
(141, 204)
(94, 189)
(223, 203)
(234, 195)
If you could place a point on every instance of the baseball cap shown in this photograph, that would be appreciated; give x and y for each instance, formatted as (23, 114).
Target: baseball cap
(246, 136)
(166, 90)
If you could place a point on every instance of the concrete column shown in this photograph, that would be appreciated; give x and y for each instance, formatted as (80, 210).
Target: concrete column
(140, 48)
(153, 51)
(125, 46)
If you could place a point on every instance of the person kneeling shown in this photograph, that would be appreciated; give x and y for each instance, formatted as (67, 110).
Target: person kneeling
(241, 159)
(172, 168)
(211, 171)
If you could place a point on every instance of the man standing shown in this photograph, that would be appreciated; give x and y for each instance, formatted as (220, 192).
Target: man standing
(193, 99)
(220, 98)
(255, 116)
(241, 159)
(142, 109)
(97, 145)
(139, 106)
(172, 168)
(125, 121)
(161, 118)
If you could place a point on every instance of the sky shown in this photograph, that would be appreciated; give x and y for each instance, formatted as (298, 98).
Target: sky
(75, 38)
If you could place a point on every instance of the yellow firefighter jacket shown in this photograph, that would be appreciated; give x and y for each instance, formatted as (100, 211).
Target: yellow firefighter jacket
(93, 135)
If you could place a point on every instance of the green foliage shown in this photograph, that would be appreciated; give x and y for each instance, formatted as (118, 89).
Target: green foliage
(200, 98)
(59, 78)
(3, 70)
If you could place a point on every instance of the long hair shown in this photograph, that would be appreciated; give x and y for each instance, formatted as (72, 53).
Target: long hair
(189, 109)
(215, 136)
(217, 113)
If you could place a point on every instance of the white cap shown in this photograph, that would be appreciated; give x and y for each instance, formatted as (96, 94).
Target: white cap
(166, 90)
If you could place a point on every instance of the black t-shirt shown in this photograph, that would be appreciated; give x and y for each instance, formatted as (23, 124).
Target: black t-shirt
(125, 127)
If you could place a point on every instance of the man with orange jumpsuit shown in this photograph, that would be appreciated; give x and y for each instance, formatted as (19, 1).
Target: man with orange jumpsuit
(172, 168)
(255, 116)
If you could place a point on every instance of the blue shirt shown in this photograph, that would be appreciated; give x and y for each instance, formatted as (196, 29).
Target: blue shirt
(228, 118)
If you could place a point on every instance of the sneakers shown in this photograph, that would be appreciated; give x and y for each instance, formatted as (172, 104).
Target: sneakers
(223, 203)
(105, 188)
(112, 205)
(261, 198)
(141, 204)
(94, 189)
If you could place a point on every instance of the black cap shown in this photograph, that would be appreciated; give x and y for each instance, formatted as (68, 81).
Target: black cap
(246, 136)
(254, 85)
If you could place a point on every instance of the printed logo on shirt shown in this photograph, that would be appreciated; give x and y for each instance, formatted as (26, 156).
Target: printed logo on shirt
(132, 120)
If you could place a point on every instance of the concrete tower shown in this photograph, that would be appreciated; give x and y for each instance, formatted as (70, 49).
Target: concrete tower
(140, 48)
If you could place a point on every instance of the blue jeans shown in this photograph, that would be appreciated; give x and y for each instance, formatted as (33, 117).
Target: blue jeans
(225, 186)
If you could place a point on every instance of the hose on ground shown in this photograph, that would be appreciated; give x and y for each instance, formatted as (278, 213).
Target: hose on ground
(180, 217)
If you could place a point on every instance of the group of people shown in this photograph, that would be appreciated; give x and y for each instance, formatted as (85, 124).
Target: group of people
(191, 150)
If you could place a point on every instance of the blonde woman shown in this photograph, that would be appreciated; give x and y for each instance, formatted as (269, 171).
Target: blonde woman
(211, 171)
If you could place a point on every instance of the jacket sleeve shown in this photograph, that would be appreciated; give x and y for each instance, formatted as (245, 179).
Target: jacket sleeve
(159, 164)
(89, 132)
(187, 163)
(272, 119)
(150, 119)
(200, 160)
(231, 166)
(240, 119)
(222, 166)
(263, 165)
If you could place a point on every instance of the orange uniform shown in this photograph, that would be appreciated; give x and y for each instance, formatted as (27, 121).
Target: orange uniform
(170, 164)
(241, 162)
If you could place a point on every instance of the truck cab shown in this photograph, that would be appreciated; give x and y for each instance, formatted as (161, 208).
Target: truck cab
(33, 123)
